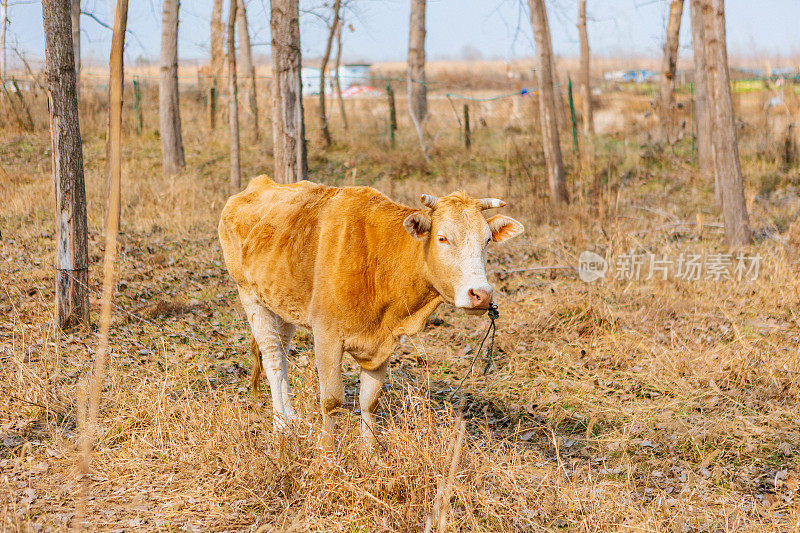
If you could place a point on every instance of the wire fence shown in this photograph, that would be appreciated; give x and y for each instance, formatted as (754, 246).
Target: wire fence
(764, 104)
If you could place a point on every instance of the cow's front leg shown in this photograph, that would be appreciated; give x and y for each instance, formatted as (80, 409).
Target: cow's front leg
(369, 395)
(328, 350)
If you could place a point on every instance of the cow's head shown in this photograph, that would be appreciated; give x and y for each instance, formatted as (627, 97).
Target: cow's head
(455, 236)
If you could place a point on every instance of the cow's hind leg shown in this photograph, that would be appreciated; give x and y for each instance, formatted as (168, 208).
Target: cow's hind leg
(272, 336)
(285, 334)
(328, 351)
(368, 397)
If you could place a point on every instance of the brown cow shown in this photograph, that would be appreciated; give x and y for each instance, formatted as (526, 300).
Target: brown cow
(358, 269)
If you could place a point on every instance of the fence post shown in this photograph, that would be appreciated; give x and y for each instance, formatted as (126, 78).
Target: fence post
(467, 139)
(508, 168)
(12, 105)
(572, 115)
(392, 113)
(691, 91)
(212, 107)
(789, 154)
(137, 105)
(18, 94)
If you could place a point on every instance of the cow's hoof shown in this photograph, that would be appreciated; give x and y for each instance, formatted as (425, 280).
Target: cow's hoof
(376, 461)
(368, 441)
(326, 443)
(283, 423)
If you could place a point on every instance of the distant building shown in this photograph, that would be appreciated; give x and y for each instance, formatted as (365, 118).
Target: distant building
(631, 76)
(310, 76)
(784, 72)
(350, 75)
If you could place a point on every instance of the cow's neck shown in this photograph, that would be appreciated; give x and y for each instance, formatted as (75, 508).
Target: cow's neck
(419, 298)
(403, 296)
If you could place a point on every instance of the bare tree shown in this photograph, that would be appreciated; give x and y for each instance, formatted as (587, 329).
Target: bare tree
(547, 103)
(323, 118)
(586, 90)
(666, 102)
(114, 148)
(75, 14)
(249, 68)
(112, 226)
(336, 81)
(417, 89)
(217, 61)
(702, 109)
(217, 44)
(233, 100)
(169, 115)
(558, 91)
(3, 27)
(726, 150)
(288, 126)
(72, 261)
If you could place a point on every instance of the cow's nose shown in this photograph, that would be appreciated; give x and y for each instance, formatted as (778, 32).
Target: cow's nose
(480, 298)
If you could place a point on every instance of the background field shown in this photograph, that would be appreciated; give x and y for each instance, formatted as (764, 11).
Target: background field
(643, 405)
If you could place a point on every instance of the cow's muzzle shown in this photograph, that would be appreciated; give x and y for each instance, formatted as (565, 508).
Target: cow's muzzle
(478, 300)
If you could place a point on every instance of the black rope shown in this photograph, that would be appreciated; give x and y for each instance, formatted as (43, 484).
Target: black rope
(493, 315)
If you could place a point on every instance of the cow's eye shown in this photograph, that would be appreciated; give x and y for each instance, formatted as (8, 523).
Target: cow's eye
(442, 239)
(488, 240)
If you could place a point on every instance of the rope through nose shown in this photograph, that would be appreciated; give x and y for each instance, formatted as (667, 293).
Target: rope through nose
(494, 314)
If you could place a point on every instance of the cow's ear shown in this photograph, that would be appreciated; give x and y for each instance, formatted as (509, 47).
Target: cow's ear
(504, 228)
(417, 224)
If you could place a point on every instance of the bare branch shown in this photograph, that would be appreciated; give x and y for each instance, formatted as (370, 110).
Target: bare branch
(103, 24)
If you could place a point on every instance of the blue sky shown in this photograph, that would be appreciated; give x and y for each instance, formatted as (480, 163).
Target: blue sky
(492, 29)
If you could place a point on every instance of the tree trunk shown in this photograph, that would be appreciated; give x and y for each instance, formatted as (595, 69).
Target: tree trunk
(115, 84)
(336, 66)
(114, 139)
(169, 116)
(72, 296)
(666, 102)
(417, 90)
(585, 77)
(217, 46)
(288, 125)
(561, 105)
(726, 151)
(3, 27)
(323, 118)
(702, 109)
(75, 13)
(233, 100)
(112, 226)
(547, 103)
(249, 69)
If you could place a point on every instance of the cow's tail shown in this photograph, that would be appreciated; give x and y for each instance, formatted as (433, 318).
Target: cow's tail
(256, 380)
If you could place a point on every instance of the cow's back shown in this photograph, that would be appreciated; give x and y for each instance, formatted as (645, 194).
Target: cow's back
(269, 234)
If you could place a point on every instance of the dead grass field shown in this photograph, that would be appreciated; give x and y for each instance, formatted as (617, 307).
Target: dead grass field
(643, 405)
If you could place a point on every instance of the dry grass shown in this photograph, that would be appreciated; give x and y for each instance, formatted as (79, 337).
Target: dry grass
(642, 406)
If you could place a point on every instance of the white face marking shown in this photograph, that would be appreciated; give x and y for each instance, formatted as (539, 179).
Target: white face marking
(456, 235)
(460, 254)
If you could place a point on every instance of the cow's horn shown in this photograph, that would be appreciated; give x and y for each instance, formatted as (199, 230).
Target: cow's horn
(489, 203)
(428, 200)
